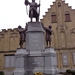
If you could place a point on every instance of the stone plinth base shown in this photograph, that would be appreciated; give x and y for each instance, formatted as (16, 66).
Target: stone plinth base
(29, 62)
(20, 71)
(44, 61)
(51, 61)
(35, 58)
(20, 62)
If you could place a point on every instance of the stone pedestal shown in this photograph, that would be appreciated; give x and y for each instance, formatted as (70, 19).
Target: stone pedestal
(45, 62)
(35, 58)
(39, 59)
(20, 56)
(35, 37)
(50, 61)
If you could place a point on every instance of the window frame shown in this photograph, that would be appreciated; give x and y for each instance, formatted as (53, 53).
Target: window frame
(67, 17)
(53, 17)
(10, 58)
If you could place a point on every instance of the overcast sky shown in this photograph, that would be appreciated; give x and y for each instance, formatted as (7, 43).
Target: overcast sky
(13, 12)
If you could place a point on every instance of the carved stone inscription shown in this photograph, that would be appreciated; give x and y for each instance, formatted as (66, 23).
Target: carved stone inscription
(35, 62)
(35, 41)
(34, 26)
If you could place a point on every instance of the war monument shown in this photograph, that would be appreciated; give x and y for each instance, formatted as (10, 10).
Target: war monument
(35, 57)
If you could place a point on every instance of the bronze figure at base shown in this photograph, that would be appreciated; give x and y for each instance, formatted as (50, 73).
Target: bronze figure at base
(22, 33)
(48, 35)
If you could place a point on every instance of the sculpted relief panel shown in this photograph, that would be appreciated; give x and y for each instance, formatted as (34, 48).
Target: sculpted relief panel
(65, 61)
(36, 61)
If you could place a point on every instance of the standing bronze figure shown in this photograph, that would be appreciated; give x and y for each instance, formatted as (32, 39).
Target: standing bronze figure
(33, 9)
(22, 33)
(48, 35)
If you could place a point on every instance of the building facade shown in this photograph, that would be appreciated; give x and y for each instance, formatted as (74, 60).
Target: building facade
(62, 19)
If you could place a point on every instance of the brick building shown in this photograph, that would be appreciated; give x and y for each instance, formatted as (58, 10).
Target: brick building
(62, 18)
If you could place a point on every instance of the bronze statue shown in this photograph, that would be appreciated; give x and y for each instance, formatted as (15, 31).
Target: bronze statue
(48, 35)
(22, 33)
(33, 9)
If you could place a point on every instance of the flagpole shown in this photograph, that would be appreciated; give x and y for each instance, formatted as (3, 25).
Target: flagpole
(26, 10)
(39, 6)
(26, 3)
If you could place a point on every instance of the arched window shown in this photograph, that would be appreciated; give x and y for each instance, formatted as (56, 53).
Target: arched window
(59, 4)
(53, 17)
(67, 16)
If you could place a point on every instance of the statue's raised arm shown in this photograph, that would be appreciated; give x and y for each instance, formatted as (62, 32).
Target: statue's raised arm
(27, 2)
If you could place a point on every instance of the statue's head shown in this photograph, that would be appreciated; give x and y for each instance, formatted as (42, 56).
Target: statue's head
(33, 0)
(19, 27)
(50, 26)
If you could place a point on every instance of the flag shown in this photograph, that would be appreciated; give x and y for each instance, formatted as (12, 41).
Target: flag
(26, 2)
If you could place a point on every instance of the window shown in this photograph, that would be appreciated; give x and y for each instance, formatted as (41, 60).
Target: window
(67, 16)
(59, 4)
(9, 61)
(65, 61)
(53, 17)
(74, 58)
